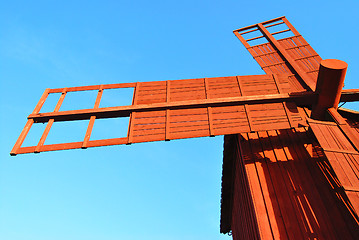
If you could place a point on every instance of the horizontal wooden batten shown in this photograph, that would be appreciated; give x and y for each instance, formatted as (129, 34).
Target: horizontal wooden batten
(93, 87)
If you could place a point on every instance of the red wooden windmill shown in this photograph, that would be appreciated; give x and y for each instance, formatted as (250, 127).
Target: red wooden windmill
(291, 159)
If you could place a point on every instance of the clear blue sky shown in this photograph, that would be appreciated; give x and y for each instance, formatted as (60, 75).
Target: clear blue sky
(151, 191)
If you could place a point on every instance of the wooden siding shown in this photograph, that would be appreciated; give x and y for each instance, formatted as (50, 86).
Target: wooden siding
(283, 188)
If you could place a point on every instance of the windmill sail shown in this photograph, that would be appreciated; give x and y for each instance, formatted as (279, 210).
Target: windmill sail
(279, 48)
(166, 110)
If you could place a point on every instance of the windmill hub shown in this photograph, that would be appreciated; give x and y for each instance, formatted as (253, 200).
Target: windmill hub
(329, 86)
(334, 64)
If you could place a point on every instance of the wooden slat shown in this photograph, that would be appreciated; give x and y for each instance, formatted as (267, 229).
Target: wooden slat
(93, 118)
(209, 109)
(133, 114)
(50, 122)
(93, 87)
(339, 151)
(287, 57)
(168, 120)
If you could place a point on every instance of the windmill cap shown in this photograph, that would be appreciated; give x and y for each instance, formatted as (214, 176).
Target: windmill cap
(334, 64)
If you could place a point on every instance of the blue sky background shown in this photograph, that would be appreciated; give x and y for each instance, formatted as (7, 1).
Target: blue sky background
(152, 191)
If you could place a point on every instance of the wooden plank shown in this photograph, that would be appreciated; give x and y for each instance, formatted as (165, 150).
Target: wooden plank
(149, 138)
(239, 110)
(303, 218)
(351, 136)
(231, 129)
(191, 134)
(260, 194)
(189, 124)
(229, 122)
(273, 186)
(314, 208)
(229, 116)
(142, 121)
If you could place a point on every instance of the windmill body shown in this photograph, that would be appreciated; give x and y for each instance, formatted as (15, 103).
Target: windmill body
(291, 160)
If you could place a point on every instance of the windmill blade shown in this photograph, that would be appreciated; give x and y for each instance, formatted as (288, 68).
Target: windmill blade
(166, 110)
(340, 143)
(279, 48)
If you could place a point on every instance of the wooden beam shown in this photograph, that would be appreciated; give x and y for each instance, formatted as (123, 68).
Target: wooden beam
(349, 95)
(125, 111)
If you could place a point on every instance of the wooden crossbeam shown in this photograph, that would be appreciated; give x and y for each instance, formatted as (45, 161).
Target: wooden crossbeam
(302, 98)
(124, 111)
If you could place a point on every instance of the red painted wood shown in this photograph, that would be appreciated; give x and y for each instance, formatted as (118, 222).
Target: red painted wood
(338, 149)
(289, 195)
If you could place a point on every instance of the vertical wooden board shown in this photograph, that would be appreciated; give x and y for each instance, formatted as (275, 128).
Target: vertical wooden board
(255, 186)
(314, 208)
(272, 175)
(285, 187)
(302, 207)
(244, 202)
